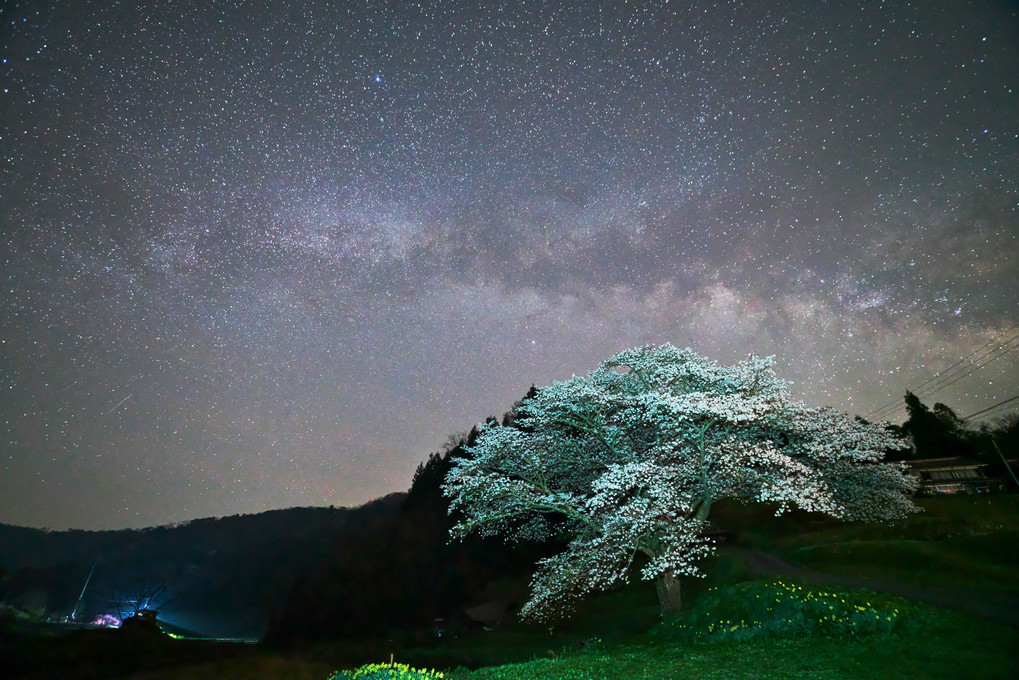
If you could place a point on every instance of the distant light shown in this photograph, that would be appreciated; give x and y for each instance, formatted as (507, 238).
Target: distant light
(106, 620)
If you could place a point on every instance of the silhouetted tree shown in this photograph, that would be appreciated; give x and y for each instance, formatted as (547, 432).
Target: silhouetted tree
(948, 418)
(510, 417)
(143, 594)
(939, 432)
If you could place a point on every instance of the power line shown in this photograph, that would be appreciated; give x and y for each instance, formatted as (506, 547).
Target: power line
(943, 378)
(959, 375)
(999, 412)
(951, 374)
(954, 379)
(983, 361)
(991, 408)
(919, 387)
(943, 372)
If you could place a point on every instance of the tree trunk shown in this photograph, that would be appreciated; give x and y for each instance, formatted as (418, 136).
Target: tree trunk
(667, 586)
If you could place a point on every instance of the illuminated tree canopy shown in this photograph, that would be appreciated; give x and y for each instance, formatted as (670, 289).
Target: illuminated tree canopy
(629, 459)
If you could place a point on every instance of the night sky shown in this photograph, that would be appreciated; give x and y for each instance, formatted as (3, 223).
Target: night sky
(260, 257)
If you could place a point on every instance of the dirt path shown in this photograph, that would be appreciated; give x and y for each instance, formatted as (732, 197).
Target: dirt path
(1002, 609)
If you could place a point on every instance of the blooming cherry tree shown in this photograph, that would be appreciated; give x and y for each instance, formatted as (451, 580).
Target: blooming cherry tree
(630, 458)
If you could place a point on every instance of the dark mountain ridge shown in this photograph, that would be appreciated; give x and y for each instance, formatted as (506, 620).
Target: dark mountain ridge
(222, 575)
(289, 575)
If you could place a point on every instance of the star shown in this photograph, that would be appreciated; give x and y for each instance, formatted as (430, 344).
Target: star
(301, 255)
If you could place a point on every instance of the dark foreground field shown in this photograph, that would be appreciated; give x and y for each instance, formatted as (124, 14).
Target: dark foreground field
(933, 596)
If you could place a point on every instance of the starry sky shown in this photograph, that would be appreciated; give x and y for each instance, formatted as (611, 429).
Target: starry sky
(269, 254)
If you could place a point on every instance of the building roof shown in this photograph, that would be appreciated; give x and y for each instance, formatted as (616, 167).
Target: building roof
(947, 463)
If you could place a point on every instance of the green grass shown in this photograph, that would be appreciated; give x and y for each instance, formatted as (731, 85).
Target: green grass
(987, 562)
(387, 671)
(941, 517)
(764, 629)
(760, 659)
(962, 542)
(763, 608)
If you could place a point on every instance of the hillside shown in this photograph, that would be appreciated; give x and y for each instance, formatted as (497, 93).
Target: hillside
(223, 574)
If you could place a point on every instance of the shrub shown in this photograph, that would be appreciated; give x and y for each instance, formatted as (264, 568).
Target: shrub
(752, 609)
(386, 671)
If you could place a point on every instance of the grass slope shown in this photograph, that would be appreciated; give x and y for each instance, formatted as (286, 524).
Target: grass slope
(756, 629)
(964, 542)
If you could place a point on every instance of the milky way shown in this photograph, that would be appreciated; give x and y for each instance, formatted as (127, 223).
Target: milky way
(262, 257)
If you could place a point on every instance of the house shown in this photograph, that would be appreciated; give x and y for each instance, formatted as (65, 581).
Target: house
(144, 619)
(939, 476)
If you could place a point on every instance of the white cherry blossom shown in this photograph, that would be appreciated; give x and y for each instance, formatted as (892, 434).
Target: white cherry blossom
(628, 460)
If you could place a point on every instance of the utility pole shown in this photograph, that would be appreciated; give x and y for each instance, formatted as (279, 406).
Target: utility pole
(1007, 466)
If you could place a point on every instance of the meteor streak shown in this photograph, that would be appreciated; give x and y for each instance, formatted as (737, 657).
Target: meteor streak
(119, 403)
